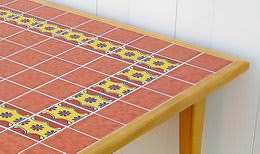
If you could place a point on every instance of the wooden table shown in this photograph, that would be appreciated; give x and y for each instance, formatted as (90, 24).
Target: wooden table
(72, 82)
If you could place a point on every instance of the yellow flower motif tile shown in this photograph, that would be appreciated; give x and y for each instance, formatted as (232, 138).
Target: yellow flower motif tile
(64, 113)
(7, 14)
(10, 115)
(49, 28)
(105, 46)
(37, 128)
(137, 75)
(25, 21)
(89, 100)
(129, 55)
(116, 88)
(159, 64)
(74, 36)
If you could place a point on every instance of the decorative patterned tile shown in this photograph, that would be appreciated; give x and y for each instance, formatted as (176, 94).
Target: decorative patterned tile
(41, 149)
(97, 126)
(34, 102)
(8, 48)
(189, 73)
(10, 91)
(37, 128)
(7, 14)
(10, 115)
(7, 30)
(13, 143)
(210, 62)
(69, 141)
(122, 112)
(23, 5)
(90, 100)
(9, 68)
(146, 98)
(75, 37)
(64, 113)
(70, 19)
(114, 87)
(179, 53)
(96, 27)
(46, 12)
(158, 63)
(50, 28)
(25, 21)
(108, 65)
(137, 75)
(122, 35)
(150, 44)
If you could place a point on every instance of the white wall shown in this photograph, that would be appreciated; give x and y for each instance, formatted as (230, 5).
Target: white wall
(229, 26)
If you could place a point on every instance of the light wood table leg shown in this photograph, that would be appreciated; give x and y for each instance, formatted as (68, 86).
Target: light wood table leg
(191, 128)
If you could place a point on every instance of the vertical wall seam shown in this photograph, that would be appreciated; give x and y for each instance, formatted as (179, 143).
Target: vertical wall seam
(256, 124)
(96, 8)
(175, 21)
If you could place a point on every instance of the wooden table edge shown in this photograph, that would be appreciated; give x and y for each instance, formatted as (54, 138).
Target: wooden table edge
(144, 123)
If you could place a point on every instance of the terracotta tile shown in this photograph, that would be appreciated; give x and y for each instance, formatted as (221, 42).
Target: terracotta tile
(64, 113)
(79, 56)
(13, 143)
(146, 98)
(29, 57)
(4, 2)
(122, 35)
(41, 149)
(84, 77)
(31, 78)
(179, 53)
(46, 12)
(65, 141)
(27, 38)
(23, 5)
(8, 48)
(60, 89)
(108, 65)
(150, 44)
(189, 73)
(122, 112)
(37, 128)
(210, 62)
(34, 102)
(11, 115)
(8, 68)
(96, 27)
(9, 90)
(96, 126)
(53, 46)
(56, 67)
(70, 19)
(168, 86)
(8, 29)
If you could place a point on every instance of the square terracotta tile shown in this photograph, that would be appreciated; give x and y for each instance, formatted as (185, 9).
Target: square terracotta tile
(37, 128)
(56, 67)
(70, 19)
(108, 65)
(122, 112)
(60, 89)
(46, 12)
(64, 113)
(9, 90)
(189, 73)
(41, 149)
(84, 77)
(122, 35)
(13, 143)
(31, 78)
(11, 115)
(96, 27)
(169, 86)
(8, 48)
(65, 141)
(179, 53)
(150, 44)
(34, 102)
(27, 38)
(146, 98)
(29, 57)
(23, 5)
(79, 56)
(4, 2)
(210, 62)
(97, 126)
(8, 29)
(9, 68)
(53, 46)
